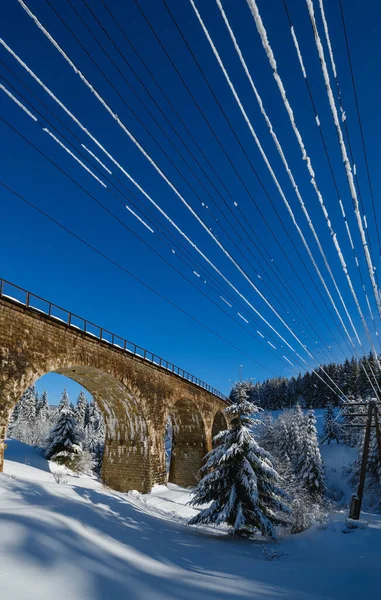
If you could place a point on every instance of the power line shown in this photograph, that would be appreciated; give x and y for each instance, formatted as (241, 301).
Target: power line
(178, 194)
(151, 219)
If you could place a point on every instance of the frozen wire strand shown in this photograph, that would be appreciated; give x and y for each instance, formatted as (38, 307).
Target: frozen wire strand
(226, 302)
(73, 156)
(261, 334)
(270, 55)
(20, 104)
(285, 358)
(242, 317)
(169, 183)
(97, 159)
(348, 169)
(215, 52)
(197, 274)
(296, 44)
(139, 219)
(270, 344)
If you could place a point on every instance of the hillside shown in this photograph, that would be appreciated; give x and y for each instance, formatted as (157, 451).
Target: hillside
(81, 541)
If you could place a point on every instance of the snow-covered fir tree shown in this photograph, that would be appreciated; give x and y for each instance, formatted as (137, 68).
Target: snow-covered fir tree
(65, 439)
(80, 411)
(42, 408)
(311, 471)
(240, 481)
(331, 427)
(64, 402)
(95, 432)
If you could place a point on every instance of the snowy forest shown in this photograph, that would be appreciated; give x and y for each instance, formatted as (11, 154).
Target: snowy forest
(310, 391)
(69, 434)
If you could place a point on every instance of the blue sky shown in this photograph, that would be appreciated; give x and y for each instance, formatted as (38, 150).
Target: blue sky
(44, 259)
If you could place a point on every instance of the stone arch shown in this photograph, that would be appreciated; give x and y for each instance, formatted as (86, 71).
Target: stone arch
(219, 424)
(126, 461)
(134, 392)
(189, 444)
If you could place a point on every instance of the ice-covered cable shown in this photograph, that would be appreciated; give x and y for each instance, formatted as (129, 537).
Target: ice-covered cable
(58, 141)
(270, 55)
(20, 104)
(97, 159)
(343, 149)
(139, 219)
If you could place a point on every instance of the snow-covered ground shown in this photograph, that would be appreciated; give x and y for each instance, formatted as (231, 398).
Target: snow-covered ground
(81, 541)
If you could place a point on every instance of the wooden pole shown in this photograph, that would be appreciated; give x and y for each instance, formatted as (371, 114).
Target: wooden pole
(378, 433)
(355, 508)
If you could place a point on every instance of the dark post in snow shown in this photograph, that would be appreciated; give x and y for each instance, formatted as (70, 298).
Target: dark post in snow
(356, 500)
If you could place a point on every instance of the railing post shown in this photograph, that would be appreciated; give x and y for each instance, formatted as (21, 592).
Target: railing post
(69, 319)
(85, 326)
(1, 287)
(125, 345)
(112, 339)
(27, 300)
(50, 309)
(101, 334)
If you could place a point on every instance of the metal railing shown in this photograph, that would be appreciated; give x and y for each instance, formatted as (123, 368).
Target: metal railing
(16, 294)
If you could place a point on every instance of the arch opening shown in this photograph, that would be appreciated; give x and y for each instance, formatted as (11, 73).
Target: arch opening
(188, 446)
(219, 424)
(126, 459)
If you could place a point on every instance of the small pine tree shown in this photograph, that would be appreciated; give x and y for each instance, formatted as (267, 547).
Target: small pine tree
(239, 479)
(64, 438)
(311, 471)
(331, 427)
(80, 410)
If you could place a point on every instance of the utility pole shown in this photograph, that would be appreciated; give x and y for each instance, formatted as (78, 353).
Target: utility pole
(372, 413)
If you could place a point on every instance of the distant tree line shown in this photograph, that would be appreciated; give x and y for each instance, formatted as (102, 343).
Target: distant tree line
(70, 434)
(309, 391)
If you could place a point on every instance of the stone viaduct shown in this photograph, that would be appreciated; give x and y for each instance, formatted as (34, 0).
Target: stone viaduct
(136, 391)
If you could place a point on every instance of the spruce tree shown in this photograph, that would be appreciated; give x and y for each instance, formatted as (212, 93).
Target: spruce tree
(65, 438)
(64, 403)
(331, 427)
(239, 479)
(42, 412)
(311, 471)
(80, 410)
